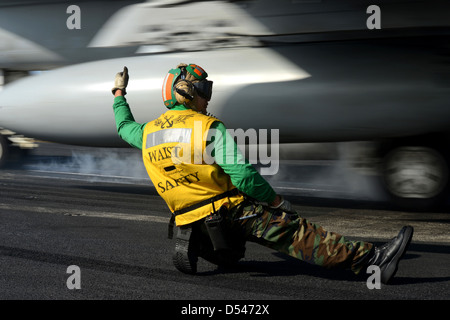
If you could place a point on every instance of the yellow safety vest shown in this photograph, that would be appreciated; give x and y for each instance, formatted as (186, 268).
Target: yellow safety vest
(173, 152)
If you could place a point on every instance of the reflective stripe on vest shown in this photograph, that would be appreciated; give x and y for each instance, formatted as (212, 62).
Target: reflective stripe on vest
(174, 135)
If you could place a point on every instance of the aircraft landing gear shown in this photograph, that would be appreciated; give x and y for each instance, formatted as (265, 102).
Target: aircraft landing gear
(14, 148)
(4, 150)
(416, 176)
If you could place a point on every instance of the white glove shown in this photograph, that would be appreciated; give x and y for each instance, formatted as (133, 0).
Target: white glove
(121, 81)
(284, 206)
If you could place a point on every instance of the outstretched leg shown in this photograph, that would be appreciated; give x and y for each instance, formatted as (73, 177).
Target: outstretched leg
(299, 238)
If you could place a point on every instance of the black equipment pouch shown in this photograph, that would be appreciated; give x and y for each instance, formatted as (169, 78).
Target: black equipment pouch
(215, 225)
(229, 193)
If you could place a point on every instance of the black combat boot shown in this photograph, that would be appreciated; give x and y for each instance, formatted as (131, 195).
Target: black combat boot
(387, 256)
(185, 256)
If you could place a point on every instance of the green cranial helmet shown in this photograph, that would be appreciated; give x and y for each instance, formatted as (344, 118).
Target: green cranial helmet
(182, 84)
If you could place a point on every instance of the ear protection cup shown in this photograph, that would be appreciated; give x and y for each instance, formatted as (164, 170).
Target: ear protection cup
(184, 91)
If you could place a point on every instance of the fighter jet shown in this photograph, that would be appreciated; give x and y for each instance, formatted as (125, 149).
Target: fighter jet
(316, 71)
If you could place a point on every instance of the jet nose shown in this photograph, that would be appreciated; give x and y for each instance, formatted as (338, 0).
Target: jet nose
(4, 106)
(10, 110)
(30, 106)
(61, 106)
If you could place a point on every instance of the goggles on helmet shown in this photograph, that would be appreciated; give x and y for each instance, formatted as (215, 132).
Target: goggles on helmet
(204, 89)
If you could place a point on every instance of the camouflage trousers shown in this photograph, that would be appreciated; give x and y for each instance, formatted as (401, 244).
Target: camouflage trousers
(295, 236)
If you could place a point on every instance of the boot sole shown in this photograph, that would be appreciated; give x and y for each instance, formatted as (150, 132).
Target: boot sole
(184, 260)
(392, 266)
(185, 256)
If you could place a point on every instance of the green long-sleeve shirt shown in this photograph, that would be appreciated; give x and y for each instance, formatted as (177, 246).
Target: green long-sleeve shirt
(243, 175)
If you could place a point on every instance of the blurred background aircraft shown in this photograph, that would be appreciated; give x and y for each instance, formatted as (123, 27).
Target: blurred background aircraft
(319, 71)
